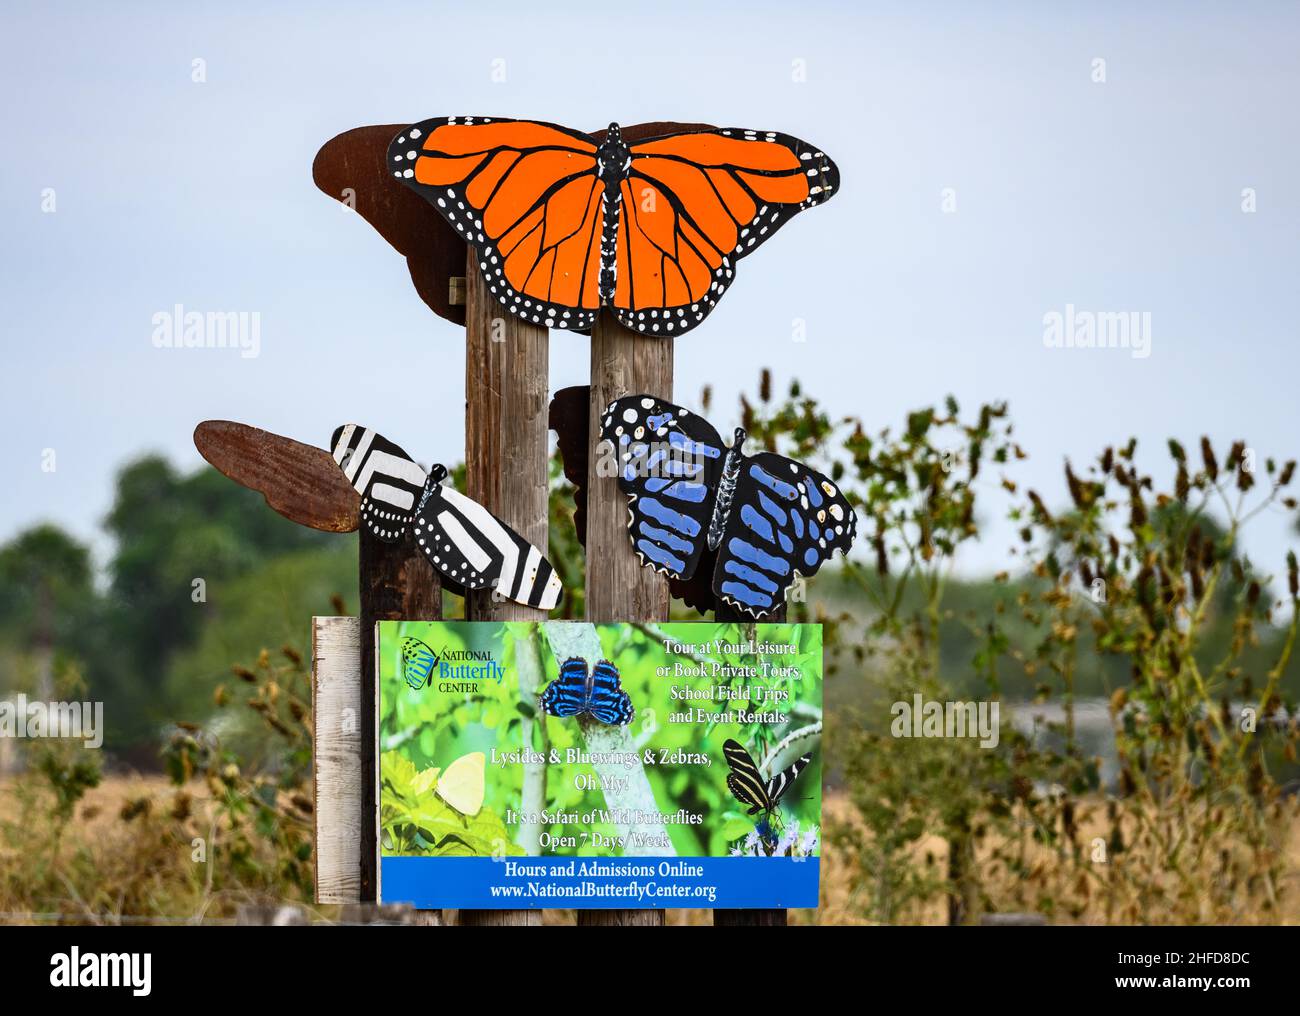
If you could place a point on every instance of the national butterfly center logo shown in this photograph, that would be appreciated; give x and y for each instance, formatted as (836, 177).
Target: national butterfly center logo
(453, 671)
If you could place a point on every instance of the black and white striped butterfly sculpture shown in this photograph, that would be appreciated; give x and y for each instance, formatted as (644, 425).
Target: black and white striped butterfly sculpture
(462, 539)
(767, 517)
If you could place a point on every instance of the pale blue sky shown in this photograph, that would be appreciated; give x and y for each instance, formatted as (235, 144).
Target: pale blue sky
(1117, 196)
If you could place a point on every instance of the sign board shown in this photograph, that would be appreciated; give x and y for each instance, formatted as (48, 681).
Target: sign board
(572, 765)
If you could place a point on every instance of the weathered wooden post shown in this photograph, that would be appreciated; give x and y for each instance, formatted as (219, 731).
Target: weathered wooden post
(737, 918)
(506, 461)
(618, 587)
(396, 584)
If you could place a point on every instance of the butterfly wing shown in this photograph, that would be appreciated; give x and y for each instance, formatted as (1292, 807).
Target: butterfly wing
(785, 519)
(692, 205)
(782, 781)
(462, 783)
(669, 462)
(567, 694)
(389, 481)
(475, 549)
(609, 703)
(418, 661)
(526, 197)
(744, 781)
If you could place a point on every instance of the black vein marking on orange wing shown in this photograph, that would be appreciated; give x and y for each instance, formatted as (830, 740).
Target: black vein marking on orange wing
(465, 208)
(753, 230)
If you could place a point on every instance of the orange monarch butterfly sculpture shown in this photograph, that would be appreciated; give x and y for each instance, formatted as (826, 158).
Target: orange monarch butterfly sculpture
(564, 223)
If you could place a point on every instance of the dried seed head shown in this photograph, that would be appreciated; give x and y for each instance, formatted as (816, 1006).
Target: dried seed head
(1076, 488)
(1040, 508)
(882, 558)
(1137, 510)
(1207, 456)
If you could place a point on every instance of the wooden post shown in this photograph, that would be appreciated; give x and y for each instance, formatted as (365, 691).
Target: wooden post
(338, 774)
(507, 468)
(748, 918)
(397, 583)
(618, 587)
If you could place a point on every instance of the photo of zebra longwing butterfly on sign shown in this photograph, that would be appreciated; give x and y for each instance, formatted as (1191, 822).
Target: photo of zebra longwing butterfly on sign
(760, 791)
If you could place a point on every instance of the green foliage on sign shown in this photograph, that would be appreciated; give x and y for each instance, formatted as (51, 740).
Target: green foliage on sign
(414, 820)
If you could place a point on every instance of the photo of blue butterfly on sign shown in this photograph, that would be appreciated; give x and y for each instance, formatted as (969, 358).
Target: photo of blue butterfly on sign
(589, 691)
(766, 517)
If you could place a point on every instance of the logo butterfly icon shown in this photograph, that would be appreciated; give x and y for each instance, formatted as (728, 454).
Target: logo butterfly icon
(418, 663)
(596, 691)
(565, 223)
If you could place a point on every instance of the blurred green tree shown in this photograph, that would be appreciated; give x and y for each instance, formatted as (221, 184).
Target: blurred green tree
(46, 583)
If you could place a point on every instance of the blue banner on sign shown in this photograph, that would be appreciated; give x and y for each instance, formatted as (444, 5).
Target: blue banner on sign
(588, 883)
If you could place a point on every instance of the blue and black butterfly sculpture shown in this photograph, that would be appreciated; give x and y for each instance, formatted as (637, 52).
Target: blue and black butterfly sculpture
(765, 518)
(596, 691)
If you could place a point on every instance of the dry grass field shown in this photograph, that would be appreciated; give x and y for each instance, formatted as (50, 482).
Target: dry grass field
(99, 838)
